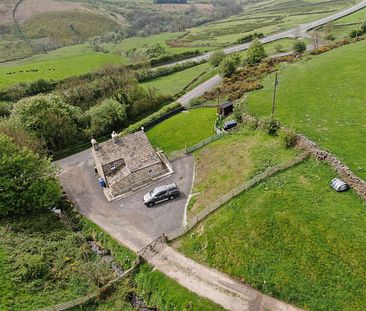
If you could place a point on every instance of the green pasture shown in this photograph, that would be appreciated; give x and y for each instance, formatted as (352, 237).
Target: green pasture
(56, 65)
(231, 161)
(324, 98)
(291, 237)
(174, 83)
(184, 129)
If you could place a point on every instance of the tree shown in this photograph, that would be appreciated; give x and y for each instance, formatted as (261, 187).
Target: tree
(20, 136)
(106, 116)
(228, 65)
(28, 182)
(216, 58)
(299, 46)
(255, 53)
(50, 119)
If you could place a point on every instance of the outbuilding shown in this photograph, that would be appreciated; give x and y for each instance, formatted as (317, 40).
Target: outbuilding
(225, 108)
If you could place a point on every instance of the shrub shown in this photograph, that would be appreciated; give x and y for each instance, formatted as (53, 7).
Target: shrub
(28, 182)
(228, 65)
(31, 267)
(196, 102)
(271, 126)
(216, 58)
(355, 33)
(105, 117)
(49, 118)
(255, 53)
(290, 138)
(5, 109)
(299, 46)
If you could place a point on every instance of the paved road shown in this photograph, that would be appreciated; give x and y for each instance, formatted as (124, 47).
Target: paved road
(299, 31)
(126, 219)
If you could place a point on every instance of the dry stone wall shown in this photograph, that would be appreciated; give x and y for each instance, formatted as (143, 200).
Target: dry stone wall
(356, 183)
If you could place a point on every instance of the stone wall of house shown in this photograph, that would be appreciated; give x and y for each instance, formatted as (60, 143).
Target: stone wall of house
(356, 183)
(107, 168)
(138, 178)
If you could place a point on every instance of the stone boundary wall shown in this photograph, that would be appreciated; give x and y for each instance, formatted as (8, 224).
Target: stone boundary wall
(356, 183)
(234, 192)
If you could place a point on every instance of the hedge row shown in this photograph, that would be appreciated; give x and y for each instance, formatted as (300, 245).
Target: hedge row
(159, 114)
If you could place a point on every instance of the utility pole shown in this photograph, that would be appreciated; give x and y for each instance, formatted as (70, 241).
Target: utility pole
(274, 95)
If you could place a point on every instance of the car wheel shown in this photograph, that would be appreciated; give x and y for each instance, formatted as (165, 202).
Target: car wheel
(151, 204)
(172, 197)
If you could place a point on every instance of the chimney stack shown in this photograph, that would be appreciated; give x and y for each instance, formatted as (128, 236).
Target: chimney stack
(94, 144)
(115, 137)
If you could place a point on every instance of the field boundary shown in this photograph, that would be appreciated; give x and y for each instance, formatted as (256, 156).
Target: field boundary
(355, 182)
(234, 192)
(94, 295)
(204, 142)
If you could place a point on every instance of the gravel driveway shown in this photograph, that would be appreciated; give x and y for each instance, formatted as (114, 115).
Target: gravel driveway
(127, 218)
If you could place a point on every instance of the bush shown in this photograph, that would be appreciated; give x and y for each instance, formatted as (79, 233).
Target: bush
(255, 53)
(271, 126)
(49, 118)
(196, 102)
(299, 46)
(355, 33)
(216, 58)
(28, 182)
(228, 65)
(290, 138)
(105, 117)
(5, 109)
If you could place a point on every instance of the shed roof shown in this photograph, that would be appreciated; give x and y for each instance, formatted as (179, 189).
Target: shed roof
(135, 149)
(226, 104)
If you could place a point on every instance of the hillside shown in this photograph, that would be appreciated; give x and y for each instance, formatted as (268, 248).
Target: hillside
(324, 98)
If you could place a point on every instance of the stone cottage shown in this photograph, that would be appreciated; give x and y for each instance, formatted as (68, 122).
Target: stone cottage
(128, 163)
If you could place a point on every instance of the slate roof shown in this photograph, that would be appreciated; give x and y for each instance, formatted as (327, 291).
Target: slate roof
(135, 149)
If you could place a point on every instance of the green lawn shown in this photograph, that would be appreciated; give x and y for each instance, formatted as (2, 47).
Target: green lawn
(174, 83)
(291, 237)
(324, 98)
(232, 160)
(185, 129)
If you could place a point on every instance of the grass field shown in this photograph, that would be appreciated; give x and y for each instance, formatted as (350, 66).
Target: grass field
(174, 83)
(183, 130)
(235, 159)
(324, 98)
(291, 237)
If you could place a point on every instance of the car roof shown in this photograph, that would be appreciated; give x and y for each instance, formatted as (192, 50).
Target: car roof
(165, 187)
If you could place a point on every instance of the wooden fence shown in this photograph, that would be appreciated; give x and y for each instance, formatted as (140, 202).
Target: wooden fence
(80, 301)
(204, 142)
(234, 192)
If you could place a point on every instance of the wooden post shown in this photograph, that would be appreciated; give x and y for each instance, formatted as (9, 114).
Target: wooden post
(274, 95)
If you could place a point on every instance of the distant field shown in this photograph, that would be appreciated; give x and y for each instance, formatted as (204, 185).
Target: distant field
(291, 237)
(56, 65)
(324, 98)
(343, 27)
(268, 17)
(183, 130)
